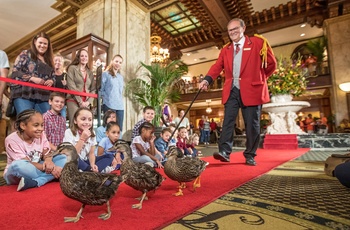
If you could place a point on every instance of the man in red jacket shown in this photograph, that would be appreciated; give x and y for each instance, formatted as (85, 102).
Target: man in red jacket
(247, 62)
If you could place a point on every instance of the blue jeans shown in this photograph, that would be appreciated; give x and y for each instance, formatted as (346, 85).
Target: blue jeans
(119, 113)
(206, 136)
(23, 104)
(23, 168)
(202, 136)
(101, 161)
(64, 112)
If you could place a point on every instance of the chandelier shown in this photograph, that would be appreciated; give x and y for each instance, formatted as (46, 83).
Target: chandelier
(158, 54)
(208, 110)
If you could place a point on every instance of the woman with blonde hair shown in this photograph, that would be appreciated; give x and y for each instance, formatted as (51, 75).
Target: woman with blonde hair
(112, 87)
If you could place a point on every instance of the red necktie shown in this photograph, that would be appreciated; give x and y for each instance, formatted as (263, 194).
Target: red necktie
(237, 49)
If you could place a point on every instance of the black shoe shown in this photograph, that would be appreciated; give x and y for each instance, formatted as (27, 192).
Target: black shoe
(250, 161)
(222, 156)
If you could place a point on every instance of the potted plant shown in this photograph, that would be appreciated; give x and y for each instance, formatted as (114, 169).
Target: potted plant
(288, 79)
(317, 49)
(156, 85)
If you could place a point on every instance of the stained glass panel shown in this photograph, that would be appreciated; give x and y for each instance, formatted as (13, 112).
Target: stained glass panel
(175, 18)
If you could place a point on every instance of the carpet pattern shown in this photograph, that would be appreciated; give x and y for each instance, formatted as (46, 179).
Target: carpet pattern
(295, 195)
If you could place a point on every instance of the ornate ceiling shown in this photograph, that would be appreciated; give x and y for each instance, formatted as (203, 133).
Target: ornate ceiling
(195, 24)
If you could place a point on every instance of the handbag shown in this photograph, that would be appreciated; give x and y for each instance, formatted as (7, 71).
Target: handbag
(10, 110)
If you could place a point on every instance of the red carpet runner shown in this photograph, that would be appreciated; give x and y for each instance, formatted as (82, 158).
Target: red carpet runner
(45, 207)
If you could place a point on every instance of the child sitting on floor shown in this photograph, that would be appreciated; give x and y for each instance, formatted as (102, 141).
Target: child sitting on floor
(182, 141)
(82, 136)
(113, 134)
(142, 147)
(29, 162)
(162, 143)
(193, 141)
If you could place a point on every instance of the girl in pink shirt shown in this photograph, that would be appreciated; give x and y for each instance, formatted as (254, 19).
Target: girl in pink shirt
(29, 162)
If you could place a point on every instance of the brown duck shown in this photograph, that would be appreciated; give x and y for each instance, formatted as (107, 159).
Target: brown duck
(89, 188)
(141, 177)
(183, 169)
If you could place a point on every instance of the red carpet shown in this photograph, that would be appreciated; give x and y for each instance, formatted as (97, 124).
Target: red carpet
(45, 207)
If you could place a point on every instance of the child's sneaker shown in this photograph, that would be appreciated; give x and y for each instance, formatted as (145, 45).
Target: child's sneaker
(149, 164)
(26, 183)
(108, 169)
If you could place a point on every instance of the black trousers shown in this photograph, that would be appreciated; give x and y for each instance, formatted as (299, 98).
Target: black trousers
(251, 116)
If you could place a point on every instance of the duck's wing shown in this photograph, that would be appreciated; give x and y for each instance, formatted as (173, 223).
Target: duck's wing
(185, 169)
(93, 188)
(143, 177)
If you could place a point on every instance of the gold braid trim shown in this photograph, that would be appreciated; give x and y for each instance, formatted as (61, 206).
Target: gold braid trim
(263, 51)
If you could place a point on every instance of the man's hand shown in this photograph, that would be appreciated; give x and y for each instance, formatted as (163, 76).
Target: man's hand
(203, 85)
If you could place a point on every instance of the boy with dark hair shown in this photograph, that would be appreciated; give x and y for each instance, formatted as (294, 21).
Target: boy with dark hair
(54, 122)
(162, 142)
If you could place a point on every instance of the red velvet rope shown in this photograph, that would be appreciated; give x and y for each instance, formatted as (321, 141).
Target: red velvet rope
(47, 87)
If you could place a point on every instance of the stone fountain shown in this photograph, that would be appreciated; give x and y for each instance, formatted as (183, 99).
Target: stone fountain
(283, 115)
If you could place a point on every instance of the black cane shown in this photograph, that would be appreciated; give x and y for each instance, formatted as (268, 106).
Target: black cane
(189, 107)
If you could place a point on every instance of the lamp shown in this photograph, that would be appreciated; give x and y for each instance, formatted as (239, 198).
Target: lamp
(345, 86)
(208, 109)
(158, 54)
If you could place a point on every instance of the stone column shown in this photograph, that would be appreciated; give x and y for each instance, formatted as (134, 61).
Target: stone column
(127, 28)
(338, 35)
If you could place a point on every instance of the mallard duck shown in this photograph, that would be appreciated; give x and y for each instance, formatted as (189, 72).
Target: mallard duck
(183, 169)
(89, 188)
(141, 177)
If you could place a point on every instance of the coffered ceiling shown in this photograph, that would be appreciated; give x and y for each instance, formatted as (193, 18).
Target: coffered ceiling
(184, 25)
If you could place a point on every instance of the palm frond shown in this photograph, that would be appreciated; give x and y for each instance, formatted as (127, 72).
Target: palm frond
(157, 85)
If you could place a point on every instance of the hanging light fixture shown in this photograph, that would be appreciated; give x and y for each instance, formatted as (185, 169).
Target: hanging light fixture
(158, 54)
(208, 110)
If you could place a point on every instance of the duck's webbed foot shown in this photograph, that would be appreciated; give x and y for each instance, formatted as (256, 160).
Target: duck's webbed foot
(76, 218)
(179, 193)
(197, 183)
(106, 216)
(139, 205)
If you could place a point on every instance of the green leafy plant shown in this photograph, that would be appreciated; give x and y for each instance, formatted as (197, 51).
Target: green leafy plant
(156, 85)
(316, 47)
(288, 78)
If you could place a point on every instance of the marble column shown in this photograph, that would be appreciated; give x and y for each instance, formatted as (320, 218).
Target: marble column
(338, 35)
(127, 28)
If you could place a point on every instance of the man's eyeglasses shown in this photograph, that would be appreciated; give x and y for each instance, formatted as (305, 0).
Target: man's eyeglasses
(234, 29)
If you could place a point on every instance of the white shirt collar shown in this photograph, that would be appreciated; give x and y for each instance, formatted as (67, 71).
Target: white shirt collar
(241, 42)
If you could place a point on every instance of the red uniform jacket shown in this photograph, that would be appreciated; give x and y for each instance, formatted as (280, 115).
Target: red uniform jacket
(253, 77)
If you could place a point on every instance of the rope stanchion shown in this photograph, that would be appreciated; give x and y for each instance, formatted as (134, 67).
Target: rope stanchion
(9, 80)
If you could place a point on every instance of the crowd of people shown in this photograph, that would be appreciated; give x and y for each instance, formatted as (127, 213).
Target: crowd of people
(190, 86)
(312, 125)
(41, 125)
(41, 113)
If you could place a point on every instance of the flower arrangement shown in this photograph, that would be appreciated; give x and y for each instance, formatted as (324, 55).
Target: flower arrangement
(288, 78)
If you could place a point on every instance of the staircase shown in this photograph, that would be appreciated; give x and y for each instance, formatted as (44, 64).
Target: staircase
(280, 141)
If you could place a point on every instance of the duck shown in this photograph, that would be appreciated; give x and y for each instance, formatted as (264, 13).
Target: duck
(183, 169)
(139, 176)
(89, 188)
